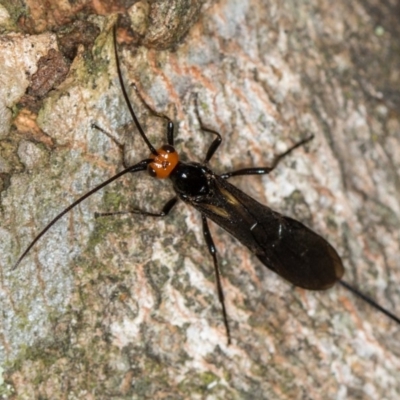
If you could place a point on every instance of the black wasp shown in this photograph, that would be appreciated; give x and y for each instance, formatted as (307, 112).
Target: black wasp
(282, 244)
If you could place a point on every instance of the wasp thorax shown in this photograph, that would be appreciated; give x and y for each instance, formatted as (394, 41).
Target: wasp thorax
(164, 162)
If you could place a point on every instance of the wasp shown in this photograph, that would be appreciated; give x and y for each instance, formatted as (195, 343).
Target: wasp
(282, 244)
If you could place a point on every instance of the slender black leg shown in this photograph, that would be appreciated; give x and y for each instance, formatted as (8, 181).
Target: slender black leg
(266, 170)
(213, 252)
(170, 124)
(164, 212)
(216, 142)
(214, 145)
(121, 146)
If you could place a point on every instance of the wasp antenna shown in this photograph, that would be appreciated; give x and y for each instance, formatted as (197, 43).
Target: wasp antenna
(125, 94)
(370, 301)
(142, 165)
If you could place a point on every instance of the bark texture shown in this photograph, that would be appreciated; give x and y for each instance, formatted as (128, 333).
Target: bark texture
(126, 308)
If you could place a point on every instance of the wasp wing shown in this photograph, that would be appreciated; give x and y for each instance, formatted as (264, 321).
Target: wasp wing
(283, 244)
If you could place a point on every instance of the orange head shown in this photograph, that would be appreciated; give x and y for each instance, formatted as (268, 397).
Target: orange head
(164, 162)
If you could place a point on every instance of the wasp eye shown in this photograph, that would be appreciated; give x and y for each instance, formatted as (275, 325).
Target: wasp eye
(152, 172)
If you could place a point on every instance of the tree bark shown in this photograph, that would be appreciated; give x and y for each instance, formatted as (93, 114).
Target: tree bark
(126, 307)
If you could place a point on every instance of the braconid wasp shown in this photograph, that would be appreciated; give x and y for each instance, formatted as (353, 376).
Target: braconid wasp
(282, 244)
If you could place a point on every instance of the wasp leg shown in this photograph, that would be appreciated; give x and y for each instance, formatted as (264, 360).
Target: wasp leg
(216, 142)
(164, 212)
(170, 124)
(213, 251)
(266, 170)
